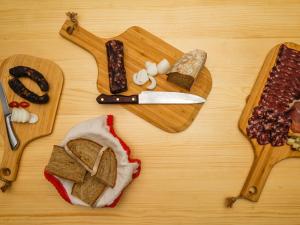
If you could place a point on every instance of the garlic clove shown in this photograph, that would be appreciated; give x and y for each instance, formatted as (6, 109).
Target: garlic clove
(142, 76)
(25, 115)
(135, 80)
(33, 118)
(163, 66)
(151, 68)
(14, 114)
(153, 83)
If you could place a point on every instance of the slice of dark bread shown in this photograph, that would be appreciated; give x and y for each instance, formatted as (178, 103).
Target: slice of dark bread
(90, 190)
(107, 170)
(62, 165)
(86, 150)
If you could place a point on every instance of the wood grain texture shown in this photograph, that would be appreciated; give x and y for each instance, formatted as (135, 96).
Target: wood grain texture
(185, 176)
(141, 46)
(46, 112)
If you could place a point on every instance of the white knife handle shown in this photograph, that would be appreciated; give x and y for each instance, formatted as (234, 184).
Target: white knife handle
(13, 139)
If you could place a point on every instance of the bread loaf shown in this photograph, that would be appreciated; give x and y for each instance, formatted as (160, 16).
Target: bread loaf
(185, 70)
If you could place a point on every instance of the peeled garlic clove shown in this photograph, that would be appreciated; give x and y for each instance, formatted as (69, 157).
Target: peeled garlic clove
(135, 80)
(163, 66)
(142, 76)
(33, 118)
(151, 68)
(153, 83)
(14, 115)
(18, 115)
(25, 116)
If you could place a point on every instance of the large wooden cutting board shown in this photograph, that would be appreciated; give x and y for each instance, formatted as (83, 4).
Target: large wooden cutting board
(265, 156)
(46, 112)
(141, 46)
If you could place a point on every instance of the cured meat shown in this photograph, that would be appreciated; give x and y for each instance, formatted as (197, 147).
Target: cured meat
(295, 116)
(116, 68)
(271, 119)
(36, 76)
(19, 88)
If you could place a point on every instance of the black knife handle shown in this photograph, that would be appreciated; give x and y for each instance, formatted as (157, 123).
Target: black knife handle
(117, 99)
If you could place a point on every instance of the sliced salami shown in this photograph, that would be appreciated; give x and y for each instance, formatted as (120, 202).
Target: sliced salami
(270, 120)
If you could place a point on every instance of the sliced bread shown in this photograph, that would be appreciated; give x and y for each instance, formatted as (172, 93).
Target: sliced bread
(62, 165)
(90, 190)
(86, 150)
(107, 170)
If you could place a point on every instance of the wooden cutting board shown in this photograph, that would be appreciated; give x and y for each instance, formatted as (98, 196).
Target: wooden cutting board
(141, 46)
(46, 112)
(265, 156)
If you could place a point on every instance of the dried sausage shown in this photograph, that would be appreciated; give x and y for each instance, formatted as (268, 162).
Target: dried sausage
(17, 86)
(36, 76)
(116, 68)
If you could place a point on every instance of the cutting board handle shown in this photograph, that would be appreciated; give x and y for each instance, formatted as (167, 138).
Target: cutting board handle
(257, 177)
(9, 166)
(82, 38)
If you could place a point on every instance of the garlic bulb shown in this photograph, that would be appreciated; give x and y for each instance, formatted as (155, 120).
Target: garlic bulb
(153, 83)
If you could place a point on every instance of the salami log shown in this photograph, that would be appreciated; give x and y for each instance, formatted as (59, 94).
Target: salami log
(116, 68)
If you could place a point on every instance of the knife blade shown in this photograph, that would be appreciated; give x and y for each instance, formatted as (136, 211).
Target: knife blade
(13, 139)
(151, 97)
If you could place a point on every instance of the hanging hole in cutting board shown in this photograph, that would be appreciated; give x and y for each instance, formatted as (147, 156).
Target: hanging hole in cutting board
(252, 190)
(5, 171)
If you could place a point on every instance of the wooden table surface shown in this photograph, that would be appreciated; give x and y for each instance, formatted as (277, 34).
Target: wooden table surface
(186, 176)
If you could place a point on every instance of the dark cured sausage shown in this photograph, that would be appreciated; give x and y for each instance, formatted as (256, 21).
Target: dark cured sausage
(24, 71)
(116, 68)
(17, 86)
(270, 120)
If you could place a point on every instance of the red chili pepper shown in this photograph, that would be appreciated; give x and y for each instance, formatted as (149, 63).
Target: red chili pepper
(14, 104)
(24, 104)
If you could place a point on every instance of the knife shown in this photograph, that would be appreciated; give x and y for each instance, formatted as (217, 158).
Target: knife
(151, 97)
(13, 140)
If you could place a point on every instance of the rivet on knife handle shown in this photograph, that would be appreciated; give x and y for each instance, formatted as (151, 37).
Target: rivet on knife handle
(117, 99)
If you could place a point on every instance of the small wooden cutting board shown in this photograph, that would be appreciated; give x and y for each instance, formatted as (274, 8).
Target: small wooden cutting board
(265, 156)
(141, 46)
(46, 112)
